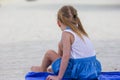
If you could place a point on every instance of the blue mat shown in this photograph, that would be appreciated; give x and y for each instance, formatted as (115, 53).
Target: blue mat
(43, 75)
(109, 76)
(39, 76)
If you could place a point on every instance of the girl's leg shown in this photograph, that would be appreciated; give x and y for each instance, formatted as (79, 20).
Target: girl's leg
(49, 57)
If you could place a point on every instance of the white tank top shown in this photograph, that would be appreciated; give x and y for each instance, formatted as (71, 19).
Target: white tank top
(80, 48)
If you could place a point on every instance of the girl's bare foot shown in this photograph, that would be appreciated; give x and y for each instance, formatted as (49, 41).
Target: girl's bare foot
(49, 70)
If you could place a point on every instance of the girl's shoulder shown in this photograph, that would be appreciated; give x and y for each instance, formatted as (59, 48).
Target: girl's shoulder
(67, 34)
(70, 32)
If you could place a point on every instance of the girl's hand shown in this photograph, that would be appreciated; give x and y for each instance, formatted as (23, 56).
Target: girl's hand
(53, 78)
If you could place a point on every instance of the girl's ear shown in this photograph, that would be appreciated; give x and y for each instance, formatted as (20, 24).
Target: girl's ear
(58, 22)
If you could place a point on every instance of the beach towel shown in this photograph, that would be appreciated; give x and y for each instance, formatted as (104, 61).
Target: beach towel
(39, 76)
(43, 76)
(109, 76)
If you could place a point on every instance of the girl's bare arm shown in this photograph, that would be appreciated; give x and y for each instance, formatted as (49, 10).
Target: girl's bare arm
(60, 51)
(66, 53)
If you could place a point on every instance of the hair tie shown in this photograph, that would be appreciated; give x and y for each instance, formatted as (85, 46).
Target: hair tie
(74, 16)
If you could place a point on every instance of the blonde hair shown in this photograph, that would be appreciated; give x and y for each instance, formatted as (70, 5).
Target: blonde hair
(68, 16)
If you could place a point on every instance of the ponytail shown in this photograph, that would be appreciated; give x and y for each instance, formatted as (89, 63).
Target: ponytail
(80, 27)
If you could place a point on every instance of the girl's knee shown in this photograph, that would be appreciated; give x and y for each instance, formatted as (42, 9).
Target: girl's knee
(49, 53)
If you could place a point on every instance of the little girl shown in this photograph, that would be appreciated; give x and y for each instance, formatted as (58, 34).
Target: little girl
(76, 56)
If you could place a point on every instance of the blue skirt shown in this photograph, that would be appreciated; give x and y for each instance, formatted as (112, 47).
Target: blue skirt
(80, 69)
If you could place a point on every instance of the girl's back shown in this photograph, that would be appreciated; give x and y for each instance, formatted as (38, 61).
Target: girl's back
(81, 48)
